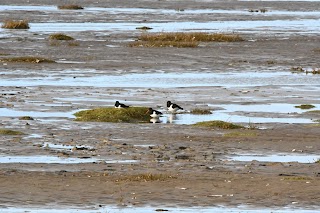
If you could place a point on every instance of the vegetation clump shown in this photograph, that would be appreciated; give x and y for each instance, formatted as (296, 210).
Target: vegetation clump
(198, 111)
(164, 44)
(218, 124)
(240, 134)
(60, 36)
(181, 39)
(305, 106)
(109, 114)
(147, 177)
(26, 118)
(9, 132)
(13, 24)
(144, 28)
(27, 59)
(297, 178)
(307, 71)
(70, 7)
(193, 36)
(297, 69)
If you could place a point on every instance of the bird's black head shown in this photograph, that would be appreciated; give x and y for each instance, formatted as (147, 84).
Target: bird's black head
(168, 103)
(149, 111)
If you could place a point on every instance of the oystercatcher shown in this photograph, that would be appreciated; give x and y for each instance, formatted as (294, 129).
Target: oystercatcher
(154, 113)
(120, 105)
(173, 107)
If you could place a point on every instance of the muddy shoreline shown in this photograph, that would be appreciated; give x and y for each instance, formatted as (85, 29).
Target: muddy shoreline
(59, 163)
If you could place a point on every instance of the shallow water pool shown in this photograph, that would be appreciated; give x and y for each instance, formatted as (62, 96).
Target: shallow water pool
(283, 158)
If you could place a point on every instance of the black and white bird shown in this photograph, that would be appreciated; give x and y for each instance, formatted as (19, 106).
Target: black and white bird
(120, 105)
(154, 113)
(173, 108)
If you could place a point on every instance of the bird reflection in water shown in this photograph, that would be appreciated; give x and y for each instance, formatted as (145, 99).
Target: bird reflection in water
(171, 118)
(155, 120)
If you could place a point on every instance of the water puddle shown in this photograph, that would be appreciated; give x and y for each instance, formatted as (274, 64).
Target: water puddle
(45, 159)
(34, 136)
(224, 116)
(96, 99)
(229, 110)
(172, 80)
(302, 26)
(141, 11)
(227, 114)
(283, 158)
(66, 147)
(57, 160)
(115, 209)
(307, 26)
(271, 108)
(58, 146)
(281, 113)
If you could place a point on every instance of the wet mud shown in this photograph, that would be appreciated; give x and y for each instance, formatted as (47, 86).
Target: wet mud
(270, 165)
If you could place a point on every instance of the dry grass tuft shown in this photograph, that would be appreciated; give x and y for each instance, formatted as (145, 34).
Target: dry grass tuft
(198, 111)
(147, 177)
(164, 44)
(297, 178)
(301, 69)
(9, 132)
(27, 59)
(13, 24)
(60, 36)
(70, 7)
(191, 37)
(218, 124)
(182, 39)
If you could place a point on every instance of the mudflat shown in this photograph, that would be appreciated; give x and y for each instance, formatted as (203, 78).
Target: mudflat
(273, 162)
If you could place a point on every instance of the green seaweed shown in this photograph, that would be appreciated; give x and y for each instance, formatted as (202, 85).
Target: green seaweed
(110, 114)
(10, 132)
(305, 106)
(218, 124)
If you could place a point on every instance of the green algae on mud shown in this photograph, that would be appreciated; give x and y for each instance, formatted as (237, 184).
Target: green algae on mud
(60, 36)
(182, 40)
(10, 132)
(305, 106)
(198, 111)
(110, 114)
(28, 118)
(218, 124)
(70, 7)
